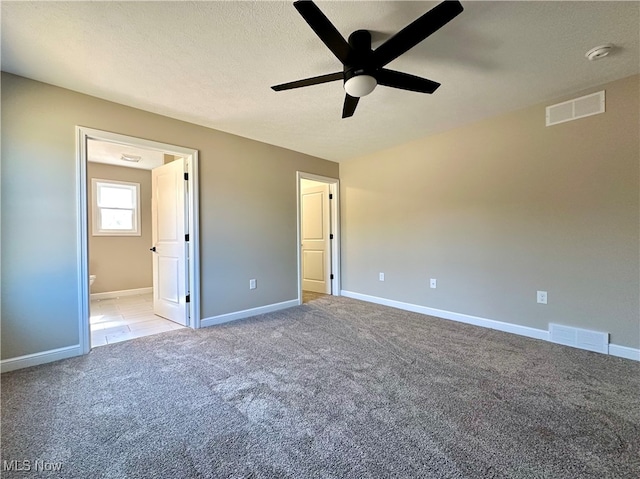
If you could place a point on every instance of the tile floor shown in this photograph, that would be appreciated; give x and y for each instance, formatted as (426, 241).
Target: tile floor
(128, 317)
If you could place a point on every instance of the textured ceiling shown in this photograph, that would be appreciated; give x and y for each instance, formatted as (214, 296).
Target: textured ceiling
(212, 63)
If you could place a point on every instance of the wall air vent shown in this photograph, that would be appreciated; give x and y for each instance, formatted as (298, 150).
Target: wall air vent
(577, 108)
(579, 338)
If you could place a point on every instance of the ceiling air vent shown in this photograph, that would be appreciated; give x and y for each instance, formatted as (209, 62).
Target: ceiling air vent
(577, 108)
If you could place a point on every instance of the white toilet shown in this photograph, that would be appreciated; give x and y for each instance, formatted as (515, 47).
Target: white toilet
(92, 278)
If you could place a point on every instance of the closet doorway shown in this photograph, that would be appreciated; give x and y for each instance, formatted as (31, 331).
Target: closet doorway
(318, 236)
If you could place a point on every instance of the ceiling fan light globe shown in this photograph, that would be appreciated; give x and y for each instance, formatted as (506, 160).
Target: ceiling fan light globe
(360, 85)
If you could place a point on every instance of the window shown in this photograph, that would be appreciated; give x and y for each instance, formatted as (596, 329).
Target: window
(115, 208)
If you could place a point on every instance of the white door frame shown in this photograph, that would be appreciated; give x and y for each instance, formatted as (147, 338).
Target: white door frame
(334, 189)
(82, 135)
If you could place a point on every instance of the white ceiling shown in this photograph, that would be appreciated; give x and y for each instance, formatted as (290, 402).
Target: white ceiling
(212, 63)
(111, 153)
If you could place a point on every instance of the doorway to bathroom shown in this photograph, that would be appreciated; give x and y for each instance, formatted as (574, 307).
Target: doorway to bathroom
(138, 233)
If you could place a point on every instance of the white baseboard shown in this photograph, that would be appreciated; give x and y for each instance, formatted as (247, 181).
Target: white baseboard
(462, 318)
(614, 349)
(118, 294)
(35, 359)
(624, 352)
(247, 313)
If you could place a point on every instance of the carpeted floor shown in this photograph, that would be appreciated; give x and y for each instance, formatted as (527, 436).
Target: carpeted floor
(308, 296)
(335, 388)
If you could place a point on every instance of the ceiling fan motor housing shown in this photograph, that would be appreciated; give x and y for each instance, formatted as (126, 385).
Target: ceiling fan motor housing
(360, 41)
(359, 73)
(359, 60)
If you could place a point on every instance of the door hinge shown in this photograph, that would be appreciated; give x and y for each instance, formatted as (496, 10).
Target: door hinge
(186, 176)
(331, 275)
(331, 236)
(186, 237)
(330, 196)
(188, 298)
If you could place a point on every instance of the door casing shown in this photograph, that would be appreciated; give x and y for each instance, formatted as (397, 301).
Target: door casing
(82, 135)
(334, 205)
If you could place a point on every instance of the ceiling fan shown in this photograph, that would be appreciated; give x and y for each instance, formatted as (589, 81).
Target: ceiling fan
(363, 67)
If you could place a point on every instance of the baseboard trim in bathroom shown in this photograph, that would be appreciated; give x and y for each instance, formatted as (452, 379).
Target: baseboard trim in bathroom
(119, 294)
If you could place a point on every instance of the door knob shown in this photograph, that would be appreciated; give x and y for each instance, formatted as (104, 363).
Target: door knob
(153, 249)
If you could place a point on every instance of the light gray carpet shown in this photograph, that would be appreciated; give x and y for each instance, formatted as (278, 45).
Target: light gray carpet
(335, 388)
(308, 296)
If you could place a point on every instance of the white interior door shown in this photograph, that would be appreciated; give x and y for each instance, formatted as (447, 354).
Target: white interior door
(315, 236)
(169, 242)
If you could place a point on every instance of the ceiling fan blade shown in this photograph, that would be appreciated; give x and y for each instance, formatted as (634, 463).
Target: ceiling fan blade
(320, 24)
(309, 81)
(404, 81)
(417, 31)
(350, 104)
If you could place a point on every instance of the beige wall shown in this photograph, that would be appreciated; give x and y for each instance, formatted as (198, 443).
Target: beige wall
(247, 211)
(121, 262)
(500, 209)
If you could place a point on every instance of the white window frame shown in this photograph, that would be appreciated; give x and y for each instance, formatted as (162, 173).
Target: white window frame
(96, 228)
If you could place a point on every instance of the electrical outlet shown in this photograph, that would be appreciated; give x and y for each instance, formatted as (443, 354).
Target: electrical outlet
(381, 276)
(253, 284)
(542, 297)
(433, 283)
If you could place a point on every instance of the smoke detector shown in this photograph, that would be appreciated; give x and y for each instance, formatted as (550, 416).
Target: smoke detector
(599, 52)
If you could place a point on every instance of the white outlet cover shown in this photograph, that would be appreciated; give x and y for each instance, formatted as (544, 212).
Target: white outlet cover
(252, 284)
(542, 297)
(433, 283)
(381, 276)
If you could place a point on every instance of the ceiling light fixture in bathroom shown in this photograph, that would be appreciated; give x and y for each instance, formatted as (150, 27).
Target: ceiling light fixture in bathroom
(599, 52)
(131, 158)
